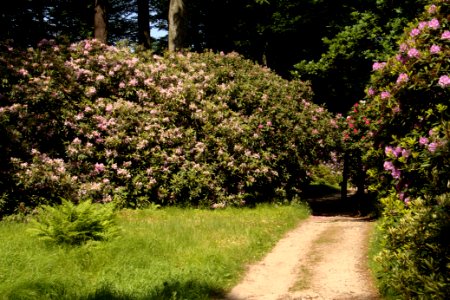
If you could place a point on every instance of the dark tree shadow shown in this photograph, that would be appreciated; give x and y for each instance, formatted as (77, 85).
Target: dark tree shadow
(46, 289)
(169, 290)
(327, 201)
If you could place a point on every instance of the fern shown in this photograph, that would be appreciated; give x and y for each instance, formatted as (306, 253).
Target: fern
(73, 224)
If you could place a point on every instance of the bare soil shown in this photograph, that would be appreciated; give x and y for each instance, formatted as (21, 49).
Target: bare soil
(325, 257)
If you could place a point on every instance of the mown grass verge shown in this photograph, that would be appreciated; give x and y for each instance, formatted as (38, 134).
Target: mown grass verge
(169, 253)
(375, 247)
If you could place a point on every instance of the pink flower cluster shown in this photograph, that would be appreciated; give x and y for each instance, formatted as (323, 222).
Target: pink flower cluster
(434, 24)
(413, 52)
(396, 152)
(445, 35)
(402, 78)
(389, 166)
(414, 32)
(435, 49)
(444, 81)
(432, 145)
(378, 66)
(385, 95)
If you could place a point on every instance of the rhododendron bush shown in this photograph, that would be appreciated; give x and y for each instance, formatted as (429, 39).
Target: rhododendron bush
(91, 121)
(403, 128)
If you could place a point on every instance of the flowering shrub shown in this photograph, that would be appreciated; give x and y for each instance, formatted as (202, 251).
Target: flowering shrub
(91, 121)
(402, 127)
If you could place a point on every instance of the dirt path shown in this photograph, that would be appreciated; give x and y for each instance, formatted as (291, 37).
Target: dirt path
(325, 257)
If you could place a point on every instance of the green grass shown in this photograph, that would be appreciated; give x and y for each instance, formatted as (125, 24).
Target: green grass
(375, 248)
(170, 253)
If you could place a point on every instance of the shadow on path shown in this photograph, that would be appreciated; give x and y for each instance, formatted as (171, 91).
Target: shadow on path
(326, 201)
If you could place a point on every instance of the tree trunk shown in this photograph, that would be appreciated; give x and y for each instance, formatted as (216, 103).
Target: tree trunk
(176, 25)
(345, 172)
(100, 21)
(360, 175)
(144, 24)
(38, 7)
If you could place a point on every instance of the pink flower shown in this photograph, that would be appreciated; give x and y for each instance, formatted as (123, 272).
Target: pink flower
(403, 47)
(371, 92)
(260, 126)
(388, 166)
(405, 153)
(432, 147)
(90, 91)
(413, 52)
(423, 25)
(435, 49)
(43, 42)
(99, 168)
(388, 150)
(396, 173)
(133, 82)
(269, 123)
(87, 45)
(23, 72)
(423, 140)
(444, 81)
(402, 78)
(445, 35)
(434, 24)
(398, 151)
(385, 95)
(414, 32)
(109, 107)
(432, 9)
(378, 66)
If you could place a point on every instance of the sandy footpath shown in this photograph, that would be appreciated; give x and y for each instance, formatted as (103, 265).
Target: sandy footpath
(325, 257)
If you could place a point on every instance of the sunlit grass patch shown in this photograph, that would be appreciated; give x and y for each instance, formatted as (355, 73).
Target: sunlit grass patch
(161, 253)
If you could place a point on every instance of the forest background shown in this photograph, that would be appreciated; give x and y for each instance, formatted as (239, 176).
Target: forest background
(332, 44)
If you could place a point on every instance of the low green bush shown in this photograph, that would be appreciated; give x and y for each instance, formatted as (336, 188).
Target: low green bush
(414, 261)
(329, 174)
(75, 224)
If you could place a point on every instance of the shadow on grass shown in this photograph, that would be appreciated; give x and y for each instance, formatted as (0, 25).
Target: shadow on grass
(169, 290)
(36, 289)
(325, 200)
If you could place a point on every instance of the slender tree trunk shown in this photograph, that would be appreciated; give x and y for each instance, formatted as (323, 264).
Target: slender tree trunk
(38, 7)
(361, 176)
(100, 20)
(144, 24)
(345, 172)
(177, 24)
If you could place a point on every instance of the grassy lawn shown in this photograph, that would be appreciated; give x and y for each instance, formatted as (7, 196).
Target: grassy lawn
(169, 253)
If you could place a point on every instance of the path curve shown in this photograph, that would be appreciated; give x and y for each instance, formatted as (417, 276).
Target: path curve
(323, 258)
